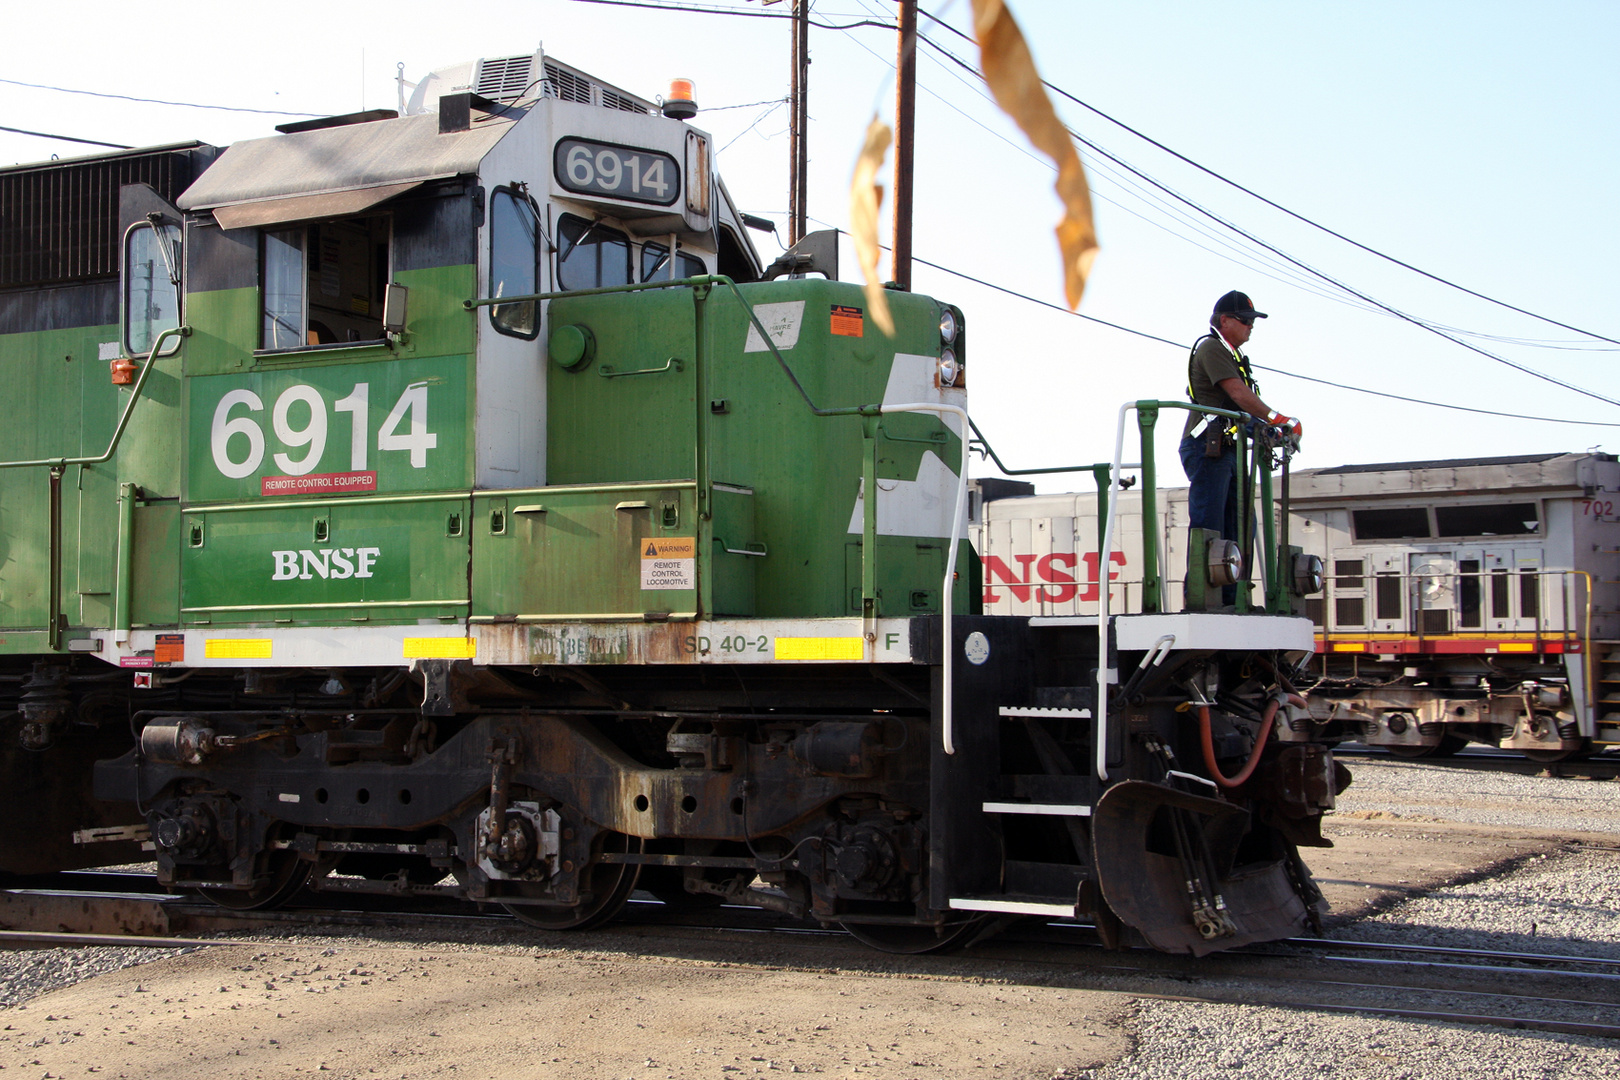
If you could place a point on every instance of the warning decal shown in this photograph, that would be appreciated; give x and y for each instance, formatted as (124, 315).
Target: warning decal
(847, 321)
(171, 649)
(669, 562)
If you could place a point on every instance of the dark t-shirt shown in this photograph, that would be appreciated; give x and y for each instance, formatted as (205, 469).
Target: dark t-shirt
(1211, 362)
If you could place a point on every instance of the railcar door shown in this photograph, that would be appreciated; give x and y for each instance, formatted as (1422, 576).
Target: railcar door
(1470, 587)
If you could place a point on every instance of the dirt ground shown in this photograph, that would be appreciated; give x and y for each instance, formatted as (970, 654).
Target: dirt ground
(354, 1010)
(622, 1004)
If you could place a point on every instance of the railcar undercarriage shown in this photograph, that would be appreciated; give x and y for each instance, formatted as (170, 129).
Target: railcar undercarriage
(820, 791)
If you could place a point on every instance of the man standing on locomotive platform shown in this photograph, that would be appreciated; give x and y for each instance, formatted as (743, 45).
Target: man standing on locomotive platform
(1218, 375)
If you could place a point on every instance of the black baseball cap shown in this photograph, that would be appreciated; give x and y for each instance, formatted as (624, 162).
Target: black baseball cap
(1237, 305)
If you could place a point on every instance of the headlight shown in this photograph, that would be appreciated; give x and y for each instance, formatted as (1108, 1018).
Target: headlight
(947, 326)
(1307, 574)
(949, 369)
(1225, 562)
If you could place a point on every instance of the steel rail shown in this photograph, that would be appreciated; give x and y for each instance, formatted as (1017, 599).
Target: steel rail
(645, 916)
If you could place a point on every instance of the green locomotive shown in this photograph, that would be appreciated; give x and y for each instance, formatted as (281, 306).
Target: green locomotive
(454, 503)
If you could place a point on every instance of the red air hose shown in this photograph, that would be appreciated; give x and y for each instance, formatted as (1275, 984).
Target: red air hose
(1207, 738)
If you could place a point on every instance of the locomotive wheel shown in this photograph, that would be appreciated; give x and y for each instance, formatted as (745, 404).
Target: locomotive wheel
(288, 874)
(610, 885)
(912, 940)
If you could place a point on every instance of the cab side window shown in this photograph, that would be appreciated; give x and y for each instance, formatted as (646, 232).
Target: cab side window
(590, 255)
(655, 264)
(151, 286)
(514, 261)
(324, 283)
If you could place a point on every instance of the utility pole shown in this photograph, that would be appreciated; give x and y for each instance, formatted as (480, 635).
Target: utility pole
(905, 112)
(798, 123)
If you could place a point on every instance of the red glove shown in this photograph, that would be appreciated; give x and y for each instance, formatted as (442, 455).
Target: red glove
(1287, 424)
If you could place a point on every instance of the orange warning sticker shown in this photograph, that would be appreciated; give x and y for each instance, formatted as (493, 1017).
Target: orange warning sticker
(847, 321)
(669, 562)
(169, 649)
(670, 547)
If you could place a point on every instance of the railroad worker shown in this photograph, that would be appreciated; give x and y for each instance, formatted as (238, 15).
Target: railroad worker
(1218, 375)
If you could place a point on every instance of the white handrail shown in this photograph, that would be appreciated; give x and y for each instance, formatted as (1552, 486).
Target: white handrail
(1104, 592)
(947, 716)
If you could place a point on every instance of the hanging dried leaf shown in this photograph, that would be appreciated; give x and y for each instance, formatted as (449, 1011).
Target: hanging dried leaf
(865, 196)
(1009, 70)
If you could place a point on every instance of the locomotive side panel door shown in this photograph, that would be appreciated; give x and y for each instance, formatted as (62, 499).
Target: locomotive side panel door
(1536, 601)
(1512, 589)
(1470, 589)
(1387, 581)
(1432, 592)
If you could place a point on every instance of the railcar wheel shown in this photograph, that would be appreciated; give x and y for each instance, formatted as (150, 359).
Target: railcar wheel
(609, 884)
(912, 940)
(288, 874)
(1577, 752)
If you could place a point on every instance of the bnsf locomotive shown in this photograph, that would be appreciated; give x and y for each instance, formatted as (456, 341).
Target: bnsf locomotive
(1468, 600)
(451, 502)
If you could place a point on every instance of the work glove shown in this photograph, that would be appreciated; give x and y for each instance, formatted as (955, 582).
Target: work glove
(1288, 426)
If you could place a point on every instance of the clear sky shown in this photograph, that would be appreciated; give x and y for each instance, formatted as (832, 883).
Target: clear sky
(1473, 140)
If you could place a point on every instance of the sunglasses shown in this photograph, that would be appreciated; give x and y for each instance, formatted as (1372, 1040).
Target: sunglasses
(1246, 320)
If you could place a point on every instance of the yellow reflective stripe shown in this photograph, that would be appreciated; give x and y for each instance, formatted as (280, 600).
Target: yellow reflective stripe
(820, 648)
(440, 648)
(237, 648)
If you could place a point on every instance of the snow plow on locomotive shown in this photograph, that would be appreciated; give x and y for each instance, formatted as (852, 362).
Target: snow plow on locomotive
(468, 511)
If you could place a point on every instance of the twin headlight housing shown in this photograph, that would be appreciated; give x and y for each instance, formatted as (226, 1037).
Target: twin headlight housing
(950, 345)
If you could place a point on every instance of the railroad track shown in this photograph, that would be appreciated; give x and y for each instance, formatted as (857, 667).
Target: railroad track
(1603, 767)
(1566, 994)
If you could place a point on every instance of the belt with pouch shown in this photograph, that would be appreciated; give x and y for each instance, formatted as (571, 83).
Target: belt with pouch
(1216, 435)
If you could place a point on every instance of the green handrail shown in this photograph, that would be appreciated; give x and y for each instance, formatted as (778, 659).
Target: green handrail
(1275, 584)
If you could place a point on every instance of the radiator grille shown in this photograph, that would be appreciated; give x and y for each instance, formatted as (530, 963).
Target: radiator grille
(505, 78)
(60, 222)
(567, 86)
(610, 100)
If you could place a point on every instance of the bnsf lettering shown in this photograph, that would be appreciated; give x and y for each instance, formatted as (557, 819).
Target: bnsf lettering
(1052, 581)
(327, 563)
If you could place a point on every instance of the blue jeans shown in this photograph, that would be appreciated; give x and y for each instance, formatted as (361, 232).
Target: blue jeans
(1212, 501)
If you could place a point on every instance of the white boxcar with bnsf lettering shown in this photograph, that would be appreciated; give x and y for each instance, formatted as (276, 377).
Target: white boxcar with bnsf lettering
(1474, 599)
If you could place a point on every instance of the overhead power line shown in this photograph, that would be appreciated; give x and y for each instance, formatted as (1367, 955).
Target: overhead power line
(65, 138)
(742, 13)
(1396, 312)
(1261, 367)
(1278, 206)
(153, 101)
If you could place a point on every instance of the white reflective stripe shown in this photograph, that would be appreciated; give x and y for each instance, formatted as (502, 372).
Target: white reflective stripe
(1045, 809)
(1012, 907)
(1195, 779)
(1020, 713)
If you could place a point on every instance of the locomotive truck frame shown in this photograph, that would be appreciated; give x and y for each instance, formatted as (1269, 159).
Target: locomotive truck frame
(451, 503)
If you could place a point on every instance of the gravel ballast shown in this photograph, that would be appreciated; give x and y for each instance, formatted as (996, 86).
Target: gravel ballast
(26, 974)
